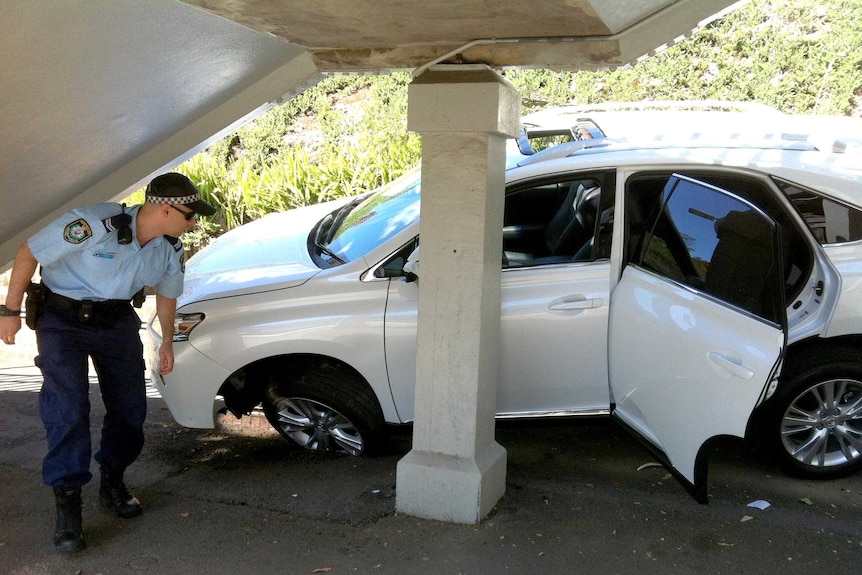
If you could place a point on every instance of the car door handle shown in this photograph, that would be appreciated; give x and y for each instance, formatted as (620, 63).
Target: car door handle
(730, 364)
(574, 303)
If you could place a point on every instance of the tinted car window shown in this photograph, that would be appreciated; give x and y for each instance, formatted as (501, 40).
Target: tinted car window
(829, 221)
(797, 257)
(717, 244)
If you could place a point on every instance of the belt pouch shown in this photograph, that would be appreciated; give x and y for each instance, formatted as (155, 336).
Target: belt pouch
(35, 304)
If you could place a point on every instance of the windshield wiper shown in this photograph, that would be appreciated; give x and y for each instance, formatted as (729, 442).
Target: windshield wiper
(339, 219)
(332, 255)
(323, 228)
(326, 224)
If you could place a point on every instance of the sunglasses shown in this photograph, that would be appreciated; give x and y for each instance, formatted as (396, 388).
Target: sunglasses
(187, 215)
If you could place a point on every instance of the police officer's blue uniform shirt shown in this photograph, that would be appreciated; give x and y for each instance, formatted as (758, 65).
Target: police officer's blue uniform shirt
(82, 259)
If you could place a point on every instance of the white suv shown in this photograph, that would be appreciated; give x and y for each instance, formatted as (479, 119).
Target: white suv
(688, 286)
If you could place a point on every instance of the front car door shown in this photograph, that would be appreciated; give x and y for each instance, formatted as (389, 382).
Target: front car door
(555, 293)
(697, 322)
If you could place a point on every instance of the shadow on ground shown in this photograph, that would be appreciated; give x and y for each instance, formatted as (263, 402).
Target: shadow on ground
(581, 497)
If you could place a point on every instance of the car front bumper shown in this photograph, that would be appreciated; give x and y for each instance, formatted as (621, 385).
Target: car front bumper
(190, 389)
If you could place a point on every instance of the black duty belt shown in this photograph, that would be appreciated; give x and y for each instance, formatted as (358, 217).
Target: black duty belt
(87, 309)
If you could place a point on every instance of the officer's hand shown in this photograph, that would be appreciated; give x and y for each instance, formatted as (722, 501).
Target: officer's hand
(166, 358)
(9, 326)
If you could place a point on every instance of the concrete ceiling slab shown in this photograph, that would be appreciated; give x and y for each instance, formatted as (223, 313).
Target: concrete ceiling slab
(96, 96)
(560, 34)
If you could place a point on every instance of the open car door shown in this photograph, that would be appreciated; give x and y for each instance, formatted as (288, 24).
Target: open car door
(697, 324)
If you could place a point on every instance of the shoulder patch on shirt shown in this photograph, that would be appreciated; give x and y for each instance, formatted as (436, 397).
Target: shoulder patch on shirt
(114, 223)
(175, 242)
(77, 231)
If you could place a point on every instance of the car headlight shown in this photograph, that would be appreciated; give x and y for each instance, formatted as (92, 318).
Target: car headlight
(184, 323)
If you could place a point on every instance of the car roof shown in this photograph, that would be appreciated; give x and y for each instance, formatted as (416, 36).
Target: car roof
(822, 152)
(650, 111)
(738, 123)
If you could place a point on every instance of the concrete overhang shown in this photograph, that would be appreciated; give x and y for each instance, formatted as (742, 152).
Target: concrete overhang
(96, 96)
(557, 34)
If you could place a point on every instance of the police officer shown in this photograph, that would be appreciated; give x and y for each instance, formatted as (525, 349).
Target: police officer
(93, 261)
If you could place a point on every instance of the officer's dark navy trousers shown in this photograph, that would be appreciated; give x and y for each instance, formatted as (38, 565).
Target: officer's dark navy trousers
(114, 344)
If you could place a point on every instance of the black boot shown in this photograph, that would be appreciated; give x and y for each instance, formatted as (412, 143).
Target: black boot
(114, 495)
(69, 533)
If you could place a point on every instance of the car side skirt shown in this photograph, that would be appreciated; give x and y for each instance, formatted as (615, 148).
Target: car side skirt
(558, 413)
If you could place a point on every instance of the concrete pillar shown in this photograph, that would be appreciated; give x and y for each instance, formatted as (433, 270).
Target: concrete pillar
(456, 471)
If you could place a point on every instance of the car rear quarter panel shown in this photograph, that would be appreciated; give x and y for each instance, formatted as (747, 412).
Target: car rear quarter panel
(847, 317)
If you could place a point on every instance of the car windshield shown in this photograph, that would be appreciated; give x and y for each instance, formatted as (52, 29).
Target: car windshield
(368, 221)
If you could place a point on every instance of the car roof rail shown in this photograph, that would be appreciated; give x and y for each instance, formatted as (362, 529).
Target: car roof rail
(688, 105)
(847, 145)
(768, 129)
(583, 130)
(564, 150)
(587, 129)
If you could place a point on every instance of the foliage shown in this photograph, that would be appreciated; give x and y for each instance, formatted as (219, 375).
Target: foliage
(348, 134)
(798, 56)
(273, 165)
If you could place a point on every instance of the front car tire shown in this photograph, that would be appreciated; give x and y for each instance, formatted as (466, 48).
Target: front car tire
(323, 406)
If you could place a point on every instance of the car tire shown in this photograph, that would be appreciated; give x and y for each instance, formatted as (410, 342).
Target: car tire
(323, 406)
(813, 423)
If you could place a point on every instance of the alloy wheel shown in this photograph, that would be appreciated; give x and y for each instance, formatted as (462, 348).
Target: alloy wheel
(318, 427)
(822, 426)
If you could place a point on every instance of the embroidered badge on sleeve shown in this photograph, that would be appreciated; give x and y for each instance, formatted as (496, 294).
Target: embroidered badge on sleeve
(77, 231)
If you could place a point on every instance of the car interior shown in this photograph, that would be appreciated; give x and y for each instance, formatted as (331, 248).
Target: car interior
(553, 222)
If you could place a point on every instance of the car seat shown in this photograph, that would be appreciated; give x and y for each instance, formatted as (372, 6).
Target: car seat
(571, 227)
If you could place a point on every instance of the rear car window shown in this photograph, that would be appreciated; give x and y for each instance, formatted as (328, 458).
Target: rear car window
(831, 222)
(716, 244)
(797, 256)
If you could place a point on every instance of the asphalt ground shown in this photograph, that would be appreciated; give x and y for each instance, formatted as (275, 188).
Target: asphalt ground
(581, 497)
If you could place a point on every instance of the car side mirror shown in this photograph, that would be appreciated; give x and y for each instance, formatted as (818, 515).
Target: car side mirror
(411, 268)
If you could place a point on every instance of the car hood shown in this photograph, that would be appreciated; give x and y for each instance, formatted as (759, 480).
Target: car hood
(266, 254)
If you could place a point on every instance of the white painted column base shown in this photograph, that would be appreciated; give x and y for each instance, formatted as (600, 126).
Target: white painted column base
(459, 490)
